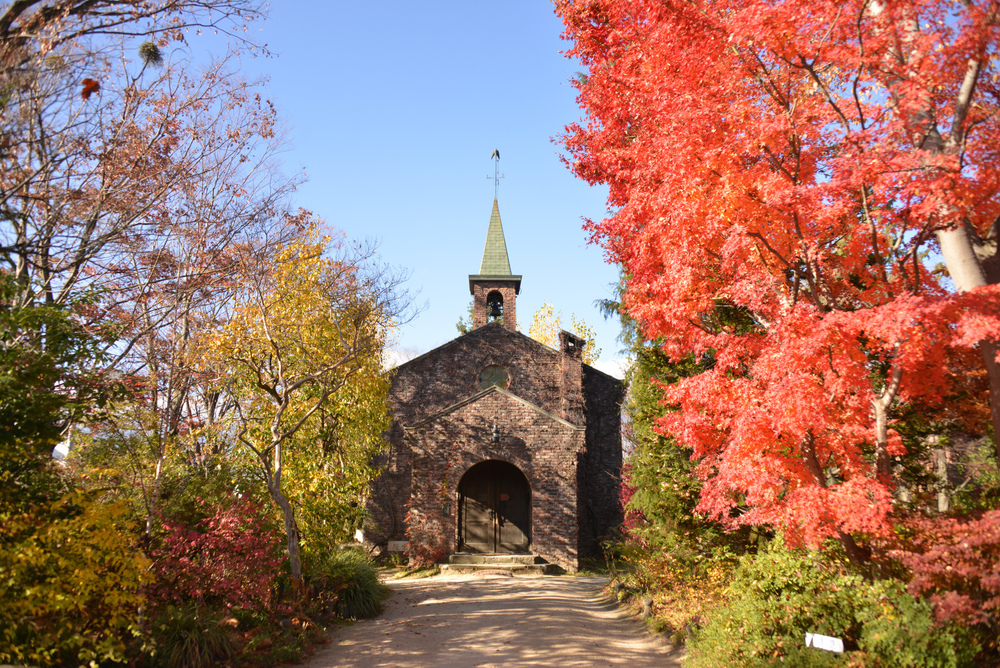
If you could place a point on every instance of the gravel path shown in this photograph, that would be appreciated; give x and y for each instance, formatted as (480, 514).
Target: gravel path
(494, 620)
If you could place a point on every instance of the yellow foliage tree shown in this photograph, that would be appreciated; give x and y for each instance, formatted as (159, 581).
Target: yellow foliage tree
(304, 328)
(329, 462)
(546, 325)
(71, 576)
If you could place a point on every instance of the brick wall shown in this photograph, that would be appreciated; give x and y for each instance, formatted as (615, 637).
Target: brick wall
(599, 470)
(572, 466)
(480, 311)
(543, 447)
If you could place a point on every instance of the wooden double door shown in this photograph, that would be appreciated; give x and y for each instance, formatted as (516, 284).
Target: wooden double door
(494, 509)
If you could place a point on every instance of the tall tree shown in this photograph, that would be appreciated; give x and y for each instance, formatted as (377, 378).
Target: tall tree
(141, 178)
(546, 324)
(175, 272)
(798, 161)
(93, 141)
(304, 327)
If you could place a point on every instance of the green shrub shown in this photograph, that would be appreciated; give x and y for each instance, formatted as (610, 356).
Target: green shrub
(781, 594)
(345, 582)
(186, 637)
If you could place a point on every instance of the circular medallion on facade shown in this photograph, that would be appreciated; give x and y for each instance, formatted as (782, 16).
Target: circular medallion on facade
(494, 375)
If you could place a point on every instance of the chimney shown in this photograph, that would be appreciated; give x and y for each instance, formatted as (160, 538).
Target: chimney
(571, 376)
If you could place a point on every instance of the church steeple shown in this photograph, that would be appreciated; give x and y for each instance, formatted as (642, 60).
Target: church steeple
(495, 261)
(494, 289)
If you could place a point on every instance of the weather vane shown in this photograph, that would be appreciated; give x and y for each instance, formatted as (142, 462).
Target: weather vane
(496, 172)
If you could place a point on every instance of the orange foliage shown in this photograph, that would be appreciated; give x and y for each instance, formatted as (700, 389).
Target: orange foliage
(793, 163)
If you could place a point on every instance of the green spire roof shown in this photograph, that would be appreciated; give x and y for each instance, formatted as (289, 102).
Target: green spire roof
(495, 262)
(495, 266)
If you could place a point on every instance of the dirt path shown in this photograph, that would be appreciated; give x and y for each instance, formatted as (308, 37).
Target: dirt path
(486, 621)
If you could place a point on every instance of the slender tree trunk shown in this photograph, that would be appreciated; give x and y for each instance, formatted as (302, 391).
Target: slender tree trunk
(288, 514)
(941, 462)
(291, 531)
(858, 555)
(155, 495)
(880, 407)
(883, 467)
(990, 350)
(967, 273)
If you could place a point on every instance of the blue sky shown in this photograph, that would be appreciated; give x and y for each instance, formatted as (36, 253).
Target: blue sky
(392, 110)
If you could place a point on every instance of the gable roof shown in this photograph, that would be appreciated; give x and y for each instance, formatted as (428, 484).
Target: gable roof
(501, 330)
(478, 332)
(479, 395)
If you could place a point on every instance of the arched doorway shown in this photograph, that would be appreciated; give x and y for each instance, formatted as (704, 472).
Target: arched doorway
(494, 501)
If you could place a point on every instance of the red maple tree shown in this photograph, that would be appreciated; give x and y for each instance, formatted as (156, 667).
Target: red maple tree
(783, 178)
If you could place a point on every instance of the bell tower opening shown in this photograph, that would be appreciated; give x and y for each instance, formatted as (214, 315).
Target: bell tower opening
(494, 301)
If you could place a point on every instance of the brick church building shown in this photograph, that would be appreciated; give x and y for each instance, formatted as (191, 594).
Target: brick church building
(500, 444)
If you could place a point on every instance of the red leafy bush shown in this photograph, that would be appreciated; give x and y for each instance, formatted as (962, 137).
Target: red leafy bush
(957, 564)
(230, 558)
(633, 518)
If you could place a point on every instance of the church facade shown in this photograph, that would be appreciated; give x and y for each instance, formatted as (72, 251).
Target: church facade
(500, 444)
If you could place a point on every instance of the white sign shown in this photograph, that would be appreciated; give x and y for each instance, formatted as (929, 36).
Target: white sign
(817, 641)
(359, 536)
(397, 546)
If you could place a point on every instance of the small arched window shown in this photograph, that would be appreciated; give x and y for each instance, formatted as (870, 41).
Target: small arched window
(494, 300)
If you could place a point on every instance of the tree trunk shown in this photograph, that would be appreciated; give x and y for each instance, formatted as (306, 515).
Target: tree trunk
(989, 350)
(291, 531)
(880, 407)
(883, 465)
(155, 495)
(858, 555)
(967, 273)
(941, 461)
(288, 514)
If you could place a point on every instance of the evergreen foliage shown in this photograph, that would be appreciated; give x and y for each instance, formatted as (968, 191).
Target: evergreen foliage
(779, 595)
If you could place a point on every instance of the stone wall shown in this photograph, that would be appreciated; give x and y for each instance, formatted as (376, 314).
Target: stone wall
(599, 470)
(542, 446)
(566, 443)
(449, 374)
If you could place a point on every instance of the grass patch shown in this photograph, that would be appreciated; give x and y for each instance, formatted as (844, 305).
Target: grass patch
(421, 572)
(187, 636)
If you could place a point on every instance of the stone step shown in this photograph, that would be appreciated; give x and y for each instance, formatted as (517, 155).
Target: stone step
(515, 564)
(517, 569)
(495, 559)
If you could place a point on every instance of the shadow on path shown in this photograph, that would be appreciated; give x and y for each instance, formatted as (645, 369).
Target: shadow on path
(496, 621)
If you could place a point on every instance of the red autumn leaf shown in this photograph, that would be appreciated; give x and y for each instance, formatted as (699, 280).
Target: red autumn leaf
(89, 88)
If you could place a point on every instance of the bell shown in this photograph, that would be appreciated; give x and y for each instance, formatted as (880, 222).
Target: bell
(496, 310)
